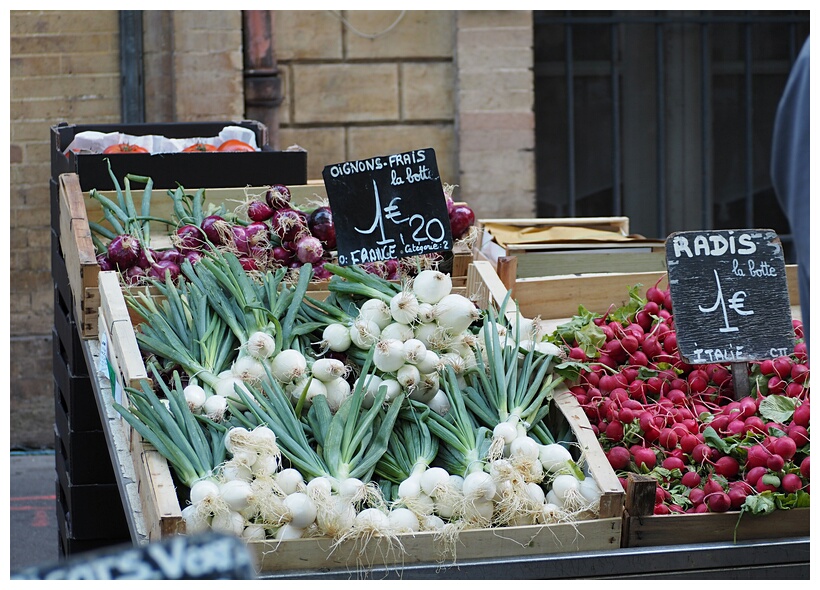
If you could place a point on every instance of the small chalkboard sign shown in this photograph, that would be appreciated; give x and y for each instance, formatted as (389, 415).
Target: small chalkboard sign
(388, 207)
(729, 295)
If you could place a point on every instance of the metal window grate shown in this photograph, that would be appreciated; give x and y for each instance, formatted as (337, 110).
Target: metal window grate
(665, 117)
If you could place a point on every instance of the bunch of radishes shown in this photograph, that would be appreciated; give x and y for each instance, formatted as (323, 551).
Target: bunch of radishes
(656, 414)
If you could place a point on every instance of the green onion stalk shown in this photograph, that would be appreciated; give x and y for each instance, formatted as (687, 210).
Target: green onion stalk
(511, 389)
(192, 448)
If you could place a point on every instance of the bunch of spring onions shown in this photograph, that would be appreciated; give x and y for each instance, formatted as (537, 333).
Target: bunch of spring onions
(338, 436)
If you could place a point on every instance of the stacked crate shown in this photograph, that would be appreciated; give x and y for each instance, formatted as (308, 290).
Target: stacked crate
(86, 482)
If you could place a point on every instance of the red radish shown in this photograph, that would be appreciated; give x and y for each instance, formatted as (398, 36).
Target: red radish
(688, 442)
(661, 509)
(763, 486)
(785, 447)
(802, 414)
(782, 367)
(798, 433)
(278, 197)
(727, 466)
(701, 453)
(804, 467)
(753, 475)
(124, 251)
(618, 457)
(775, 463)
(718, 502)
(461, 219)
(615, 431)
(672, 463)
(791, 483)
(668, 438)
(655, 294)
(757, 456)
(644, 457)
(691, 479)
(696, 496)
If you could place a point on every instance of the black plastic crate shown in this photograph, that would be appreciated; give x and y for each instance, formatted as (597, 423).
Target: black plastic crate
(68, 338)
(59, 271)
(91, 511)
(83, 454)
(70, 545)
(77, 391)
(191, 170)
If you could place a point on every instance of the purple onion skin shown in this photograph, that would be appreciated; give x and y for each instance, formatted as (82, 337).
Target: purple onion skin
(278, 197)
(391, 266)
(146, 258)
(105, 264)
(257, 233)
(461, 219)
(288, 224)
(134, 274)
(320, 273)
(240, 238)
(259, 211)
(309, 250)
(172, 255)
(248, 263)
(161, 268)
(191, 238)
(193, 256)
(124, 251)
(320, 224)
(210, 226)
(281, 255)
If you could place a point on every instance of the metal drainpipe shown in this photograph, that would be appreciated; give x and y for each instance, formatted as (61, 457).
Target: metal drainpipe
(263, 86)
(132, 77)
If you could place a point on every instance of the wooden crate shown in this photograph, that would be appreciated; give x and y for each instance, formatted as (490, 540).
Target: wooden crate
(77, 209)
(642, 528)
(162, 512)
(568, 255)
(556, 300)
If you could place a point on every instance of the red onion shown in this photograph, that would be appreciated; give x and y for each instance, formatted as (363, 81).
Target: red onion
(146, 258)
(171, 254)
(461, 219)
(189, 238)
(320, 224)
(134, 274)
(278, 197)
(216, 229)
(104, 263)
(309, 250)
(240, 238)
(320, 273)
(259, 211)
(375, 268)
(124, 251)
(193, 256)
(257, 234)
(288, 224)
(281, 255)
(161, 268)
(248, 263)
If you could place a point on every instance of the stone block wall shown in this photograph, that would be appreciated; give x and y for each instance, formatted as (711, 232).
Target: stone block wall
(365, 83)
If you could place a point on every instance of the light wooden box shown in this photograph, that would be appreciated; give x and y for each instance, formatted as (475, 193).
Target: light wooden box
(162, 512)
(77, 208)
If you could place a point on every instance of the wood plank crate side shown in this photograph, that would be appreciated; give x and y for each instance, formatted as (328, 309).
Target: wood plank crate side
(78, 253)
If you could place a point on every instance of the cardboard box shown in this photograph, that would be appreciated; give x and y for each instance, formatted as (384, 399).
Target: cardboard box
(167, 170)
(567, 245)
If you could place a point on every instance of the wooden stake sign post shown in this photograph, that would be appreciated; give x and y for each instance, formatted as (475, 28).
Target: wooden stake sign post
(730, 298)
(388, 207)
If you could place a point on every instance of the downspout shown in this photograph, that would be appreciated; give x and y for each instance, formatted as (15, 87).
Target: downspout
(262, 84)
(132, 77)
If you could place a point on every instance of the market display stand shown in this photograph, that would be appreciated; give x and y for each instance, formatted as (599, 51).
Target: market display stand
(784, 558)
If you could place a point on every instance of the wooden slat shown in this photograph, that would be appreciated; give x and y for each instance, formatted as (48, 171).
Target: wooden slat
(612, 500)
(677, 529)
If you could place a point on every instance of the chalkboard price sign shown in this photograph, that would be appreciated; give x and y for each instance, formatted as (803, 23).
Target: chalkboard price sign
(388, 207)
(729, 295)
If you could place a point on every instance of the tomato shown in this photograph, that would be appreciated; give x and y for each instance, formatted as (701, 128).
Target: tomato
(234, 145)
(200, 147)
(125, 148)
